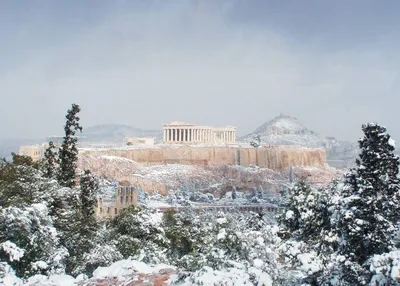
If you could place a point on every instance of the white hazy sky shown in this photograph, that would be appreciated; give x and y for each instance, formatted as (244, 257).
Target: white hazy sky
(332, 64)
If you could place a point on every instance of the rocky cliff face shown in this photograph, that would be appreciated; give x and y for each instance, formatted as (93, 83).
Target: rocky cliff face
(275, 158)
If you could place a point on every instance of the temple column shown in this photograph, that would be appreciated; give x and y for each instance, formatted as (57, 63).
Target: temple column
(178, 134)
(165, 135)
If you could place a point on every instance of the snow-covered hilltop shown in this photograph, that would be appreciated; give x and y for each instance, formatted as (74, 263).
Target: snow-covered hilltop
(287, 130)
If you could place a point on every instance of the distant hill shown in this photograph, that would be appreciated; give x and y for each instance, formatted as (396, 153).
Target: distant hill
(288, 130)
(115, 133)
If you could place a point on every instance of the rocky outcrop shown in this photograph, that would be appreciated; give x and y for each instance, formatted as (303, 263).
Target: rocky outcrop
(275, 158)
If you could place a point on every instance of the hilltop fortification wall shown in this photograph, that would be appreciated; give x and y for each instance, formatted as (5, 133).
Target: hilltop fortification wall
(276, 158)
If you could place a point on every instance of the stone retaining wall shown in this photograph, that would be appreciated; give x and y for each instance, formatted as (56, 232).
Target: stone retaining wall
(276, 158)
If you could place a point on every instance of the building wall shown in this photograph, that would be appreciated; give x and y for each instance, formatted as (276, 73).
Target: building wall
(125, 196)
(36, 152)
(276, 158)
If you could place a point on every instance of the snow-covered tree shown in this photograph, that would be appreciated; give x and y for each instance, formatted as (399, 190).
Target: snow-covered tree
(29, 243)
(370, 204)
(234, 194)
(22, 183)
(88, 200)
(68, 153)
(255, 141)
(50, 161)
(137, 232)
(231, 243)
(300, 219)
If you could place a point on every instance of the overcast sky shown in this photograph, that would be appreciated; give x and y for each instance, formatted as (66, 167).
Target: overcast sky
(332, 64)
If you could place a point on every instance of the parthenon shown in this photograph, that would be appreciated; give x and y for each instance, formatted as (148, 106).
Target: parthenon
(185, 133)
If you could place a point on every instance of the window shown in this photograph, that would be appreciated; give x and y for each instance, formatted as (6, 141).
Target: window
(116, 211)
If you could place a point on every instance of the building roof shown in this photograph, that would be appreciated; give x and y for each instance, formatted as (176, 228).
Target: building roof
(180, 123)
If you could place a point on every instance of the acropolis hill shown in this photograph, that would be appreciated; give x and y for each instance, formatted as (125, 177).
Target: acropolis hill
(185, 143)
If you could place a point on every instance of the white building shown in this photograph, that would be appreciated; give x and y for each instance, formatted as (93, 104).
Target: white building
(181, 133)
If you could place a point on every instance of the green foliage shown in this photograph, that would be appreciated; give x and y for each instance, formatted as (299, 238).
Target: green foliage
(301, 216)
(370, 204)
(21, 182)
(68, 153)
(50, 161)
(29, 242)
(89, 188)
(135, 233)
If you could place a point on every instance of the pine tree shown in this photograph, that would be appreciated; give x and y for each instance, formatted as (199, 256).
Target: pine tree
(50, 160)
(68, 152)
(301, 218)
(370, 204)
(234, 195)
(89, 187)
